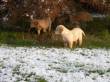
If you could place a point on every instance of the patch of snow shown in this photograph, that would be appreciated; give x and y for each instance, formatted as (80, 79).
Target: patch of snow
(24, 64)
(99, 15)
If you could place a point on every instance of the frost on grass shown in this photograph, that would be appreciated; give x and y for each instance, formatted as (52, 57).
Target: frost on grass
(35, 64)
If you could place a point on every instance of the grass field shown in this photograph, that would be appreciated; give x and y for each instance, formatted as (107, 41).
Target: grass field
(28, 39)
(97, 36)
(33, 58)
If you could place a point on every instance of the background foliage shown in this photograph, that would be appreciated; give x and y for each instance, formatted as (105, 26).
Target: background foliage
(14, 23)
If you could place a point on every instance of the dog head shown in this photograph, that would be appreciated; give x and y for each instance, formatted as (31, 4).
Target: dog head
(59, 29)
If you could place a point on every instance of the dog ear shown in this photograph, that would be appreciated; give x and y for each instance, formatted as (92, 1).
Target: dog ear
(35, 23)
(61, 30)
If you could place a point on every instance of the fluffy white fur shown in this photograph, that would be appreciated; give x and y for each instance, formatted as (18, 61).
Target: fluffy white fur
(70, 37)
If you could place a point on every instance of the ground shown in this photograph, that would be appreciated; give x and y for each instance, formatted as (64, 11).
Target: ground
(40, 64)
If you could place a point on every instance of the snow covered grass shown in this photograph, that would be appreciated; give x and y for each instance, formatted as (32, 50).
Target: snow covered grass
(40, 64)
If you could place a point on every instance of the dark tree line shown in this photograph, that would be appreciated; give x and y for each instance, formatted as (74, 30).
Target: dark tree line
(14, 12)
(16, 9)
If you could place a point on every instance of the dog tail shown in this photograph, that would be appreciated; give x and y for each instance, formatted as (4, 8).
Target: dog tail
(83, 33)
(81, 38)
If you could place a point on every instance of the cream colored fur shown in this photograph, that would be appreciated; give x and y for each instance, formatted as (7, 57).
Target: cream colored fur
(70, 37)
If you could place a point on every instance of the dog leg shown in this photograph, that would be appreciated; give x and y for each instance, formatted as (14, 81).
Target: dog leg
(38, 31)
(65, 44)
(50, 22)
(49, 29)
(70, 44)
(44, 30)
(29, 30)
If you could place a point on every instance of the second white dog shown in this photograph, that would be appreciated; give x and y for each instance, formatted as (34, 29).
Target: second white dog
(70, 37)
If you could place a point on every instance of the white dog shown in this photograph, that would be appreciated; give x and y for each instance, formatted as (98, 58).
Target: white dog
(70, 36)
